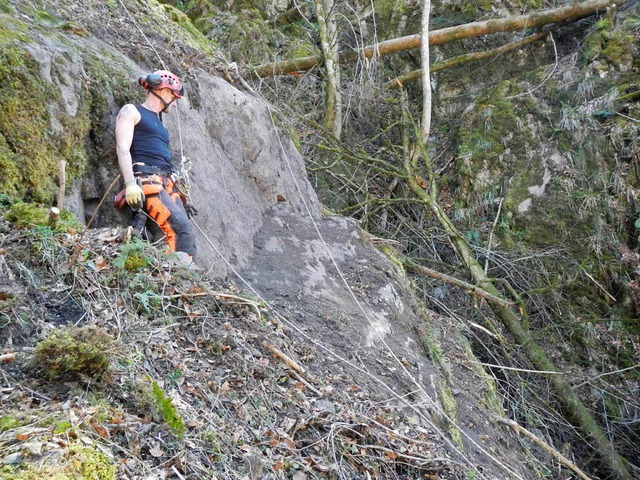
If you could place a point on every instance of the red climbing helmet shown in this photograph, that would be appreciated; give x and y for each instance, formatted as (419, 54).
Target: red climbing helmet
(162, 79)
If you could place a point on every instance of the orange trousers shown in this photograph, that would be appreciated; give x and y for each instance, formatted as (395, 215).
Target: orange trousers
(163, 203)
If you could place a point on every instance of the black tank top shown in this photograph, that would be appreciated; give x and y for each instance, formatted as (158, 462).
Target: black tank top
(150, 143)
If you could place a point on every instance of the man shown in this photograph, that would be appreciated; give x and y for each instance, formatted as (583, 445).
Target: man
(142, 143)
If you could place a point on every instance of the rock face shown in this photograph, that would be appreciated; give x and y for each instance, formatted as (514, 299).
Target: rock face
(242, 165)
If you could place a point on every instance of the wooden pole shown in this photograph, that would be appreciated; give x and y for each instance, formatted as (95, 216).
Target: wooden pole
(54, 214)
(62, 184)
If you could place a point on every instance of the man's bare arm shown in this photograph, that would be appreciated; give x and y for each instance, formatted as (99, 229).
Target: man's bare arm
(128, 117)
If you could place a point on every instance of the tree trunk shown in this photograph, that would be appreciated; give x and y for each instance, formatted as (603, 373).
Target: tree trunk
(328, 41)
(460, 59)
(426, 75)
(437, 37)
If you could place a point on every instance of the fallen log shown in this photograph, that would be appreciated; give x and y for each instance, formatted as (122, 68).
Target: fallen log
(467, 57)
(566, 13)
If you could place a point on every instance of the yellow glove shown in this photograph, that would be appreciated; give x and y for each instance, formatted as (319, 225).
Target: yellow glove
(134, 195)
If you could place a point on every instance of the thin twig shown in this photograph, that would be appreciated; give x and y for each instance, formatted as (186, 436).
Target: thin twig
(493, 227)
(78, 247)
(544, 445)
(627, 117)
(555, 66)
(605, 374)
(546, 372)
(284, 357)
(306, 383)
(599, 285)
(62, 184)
(472, 289)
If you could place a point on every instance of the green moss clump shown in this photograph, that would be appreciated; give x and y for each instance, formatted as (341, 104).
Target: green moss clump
(185, 23)
(5, 7)
(133, 256)
(450, 408)
(81, 463)
(91, 464)
(609, 45)
(33, 215)
(27, 214)
(9, 422)
(616, 50)
(393, 255)
(489, 131)
(24, 121)
(30, 149)
(250, 39)
(475, 8)
(299, 48)
(11, 176)
(388, 12)
(432, 347)
(76, 354)
(168, 411)
(135, 262)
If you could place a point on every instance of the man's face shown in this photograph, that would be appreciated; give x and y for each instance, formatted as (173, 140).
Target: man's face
(168, 96)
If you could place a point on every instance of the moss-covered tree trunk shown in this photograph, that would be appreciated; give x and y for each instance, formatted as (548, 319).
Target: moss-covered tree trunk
(465, 58)
(426, 75)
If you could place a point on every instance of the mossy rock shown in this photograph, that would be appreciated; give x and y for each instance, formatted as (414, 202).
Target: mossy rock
(34, 215)
(250, 39)
(79, 463)
(615, 46)
(196, 36)
(24, 121)
(300, 48)
(30, 147)
(488, 132)
(75, 354)
(388, 12)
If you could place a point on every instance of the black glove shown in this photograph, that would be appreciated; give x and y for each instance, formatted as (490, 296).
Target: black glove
(190, 209)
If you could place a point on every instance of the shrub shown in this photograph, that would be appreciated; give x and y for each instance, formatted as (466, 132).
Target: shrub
(76, 354)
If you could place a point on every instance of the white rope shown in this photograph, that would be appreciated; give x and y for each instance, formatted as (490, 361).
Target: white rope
(377, 332)
(333, 354)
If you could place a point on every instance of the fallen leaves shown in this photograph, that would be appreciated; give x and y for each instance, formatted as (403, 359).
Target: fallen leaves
(237, 378)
